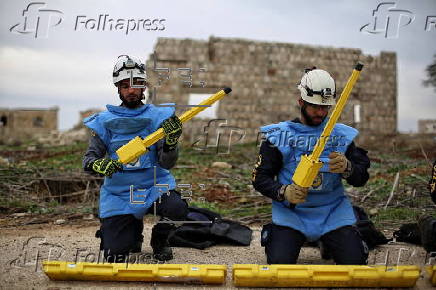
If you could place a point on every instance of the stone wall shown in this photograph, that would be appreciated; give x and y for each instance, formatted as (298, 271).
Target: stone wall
(263, 76)
(20, 124)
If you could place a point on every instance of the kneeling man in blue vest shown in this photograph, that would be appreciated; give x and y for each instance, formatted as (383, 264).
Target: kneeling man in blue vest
(321, 213)
(121, 216)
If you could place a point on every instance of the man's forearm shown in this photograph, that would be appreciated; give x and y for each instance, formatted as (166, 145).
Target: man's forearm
(360, 163)
(96, 149)
(266, 169)
(266, 185)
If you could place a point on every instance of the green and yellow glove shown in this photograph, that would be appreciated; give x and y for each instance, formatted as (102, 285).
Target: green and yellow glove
(106, 166)
(173, 130)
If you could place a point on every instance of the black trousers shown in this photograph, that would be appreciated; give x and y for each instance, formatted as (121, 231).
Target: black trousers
(283, 244)
(122, 234)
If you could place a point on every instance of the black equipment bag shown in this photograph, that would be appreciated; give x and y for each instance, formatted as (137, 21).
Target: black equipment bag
(214, 230)
(408, 233)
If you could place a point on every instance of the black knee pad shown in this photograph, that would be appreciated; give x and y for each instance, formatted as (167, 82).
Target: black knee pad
(120, 235)
(278, 248)
(174, 207)
(354, 250)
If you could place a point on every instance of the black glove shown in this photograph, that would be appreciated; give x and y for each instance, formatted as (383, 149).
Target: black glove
(173, 130)
(106, 166)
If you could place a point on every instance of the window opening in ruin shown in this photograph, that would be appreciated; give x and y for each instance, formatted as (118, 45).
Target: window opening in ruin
(3, 121)
(208, 113)
(37, 122)
(356, 113)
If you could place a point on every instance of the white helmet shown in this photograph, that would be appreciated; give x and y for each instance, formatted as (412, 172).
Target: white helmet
(317, 87)
(126, 66)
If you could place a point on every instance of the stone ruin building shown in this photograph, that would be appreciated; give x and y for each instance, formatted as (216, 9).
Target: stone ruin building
(22, 123)
(263, 76)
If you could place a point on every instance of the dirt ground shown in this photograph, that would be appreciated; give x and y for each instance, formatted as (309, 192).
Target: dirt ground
(23, 248)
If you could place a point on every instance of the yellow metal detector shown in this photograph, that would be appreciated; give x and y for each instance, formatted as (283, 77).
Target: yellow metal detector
(310, 165)
(431, 271)
(346, 276)
(138, 146)
(183, 273)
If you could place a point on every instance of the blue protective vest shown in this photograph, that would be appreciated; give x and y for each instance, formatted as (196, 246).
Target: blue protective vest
(135, 189)
(326, 207)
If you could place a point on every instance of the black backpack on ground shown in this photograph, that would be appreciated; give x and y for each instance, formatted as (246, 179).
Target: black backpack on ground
(215, 230)
(422, 233)
(408, 233)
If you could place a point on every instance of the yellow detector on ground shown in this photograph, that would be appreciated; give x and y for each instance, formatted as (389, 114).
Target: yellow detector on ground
(249, 275)
(431, 270)
(184, 273)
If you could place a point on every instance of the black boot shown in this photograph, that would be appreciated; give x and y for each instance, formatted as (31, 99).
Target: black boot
(137, 247)
(159, 242)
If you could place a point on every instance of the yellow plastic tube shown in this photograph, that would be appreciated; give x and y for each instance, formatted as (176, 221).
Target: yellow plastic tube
(249, 275)
(184, 273)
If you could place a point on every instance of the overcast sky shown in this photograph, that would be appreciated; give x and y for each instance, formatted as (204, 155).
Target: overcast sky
(72, 68)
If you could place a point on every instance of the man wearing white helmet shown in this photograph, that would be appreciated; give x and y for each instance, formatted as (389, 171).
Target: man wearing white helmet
(321, 212)
(130, 191)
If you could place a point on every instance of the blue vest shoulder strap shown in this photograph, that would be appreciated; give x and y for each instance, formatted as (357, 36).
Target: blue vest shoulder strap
(277, 133)
(349, 133)
(95, 123)
(273, 128)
